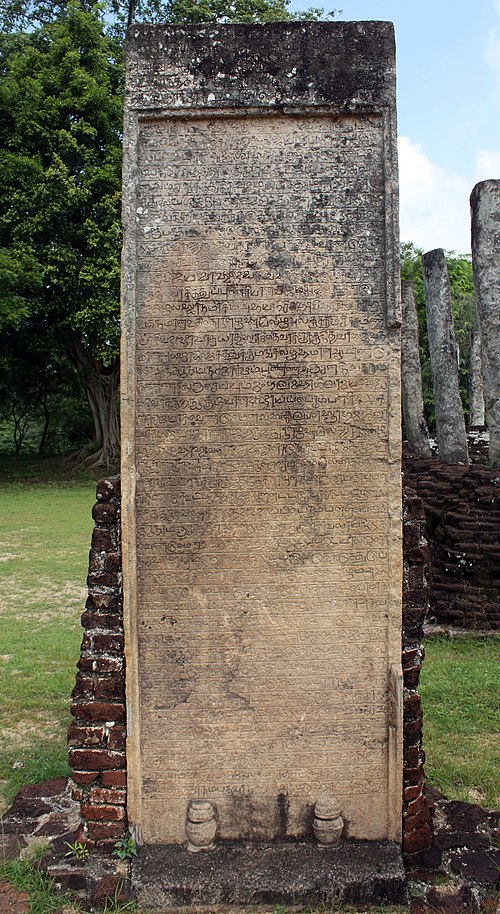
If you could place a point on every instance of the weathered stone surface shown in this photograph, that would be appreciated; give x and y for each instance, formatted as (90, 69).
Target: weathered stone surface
(417, 433)
(43, 814)
(450, 422)
(357, 872)
(345, 66)
(261, 469)
(476, 390)
(485, 208)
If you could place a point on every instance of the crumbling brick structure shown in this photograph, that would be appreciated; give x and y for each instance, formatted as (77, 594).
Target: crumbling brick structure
(417, 828)
(462, 509)
(97, 734)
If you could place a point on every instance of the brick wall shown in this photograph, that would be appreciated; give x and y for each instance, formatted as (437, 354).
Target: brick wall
(462, 508)
(97, 734)
(417, 828)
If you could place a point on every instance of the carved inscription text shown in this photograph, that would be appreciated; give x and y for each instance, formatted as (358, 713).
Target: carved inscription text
(264, 379)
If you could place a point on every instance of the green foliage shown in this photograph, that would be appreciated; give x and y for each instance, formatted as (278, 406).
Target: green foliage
(78, 850)
(60, 181)
(42, 406)
(60, 160)
(185, 11)
(20, 277)
(125, 848)
(115, 14)
(464, 318)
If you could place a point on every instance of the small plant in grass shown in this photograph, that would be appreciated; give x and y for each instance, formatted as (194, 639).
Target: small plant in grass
(115, 905)
(78, 850)
(125, 848)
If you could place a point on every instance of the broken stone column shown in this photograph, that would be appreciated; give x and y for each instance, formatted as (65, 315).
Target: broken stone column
(485, 210)
(450, 422)
(476, 395)
(417, 433)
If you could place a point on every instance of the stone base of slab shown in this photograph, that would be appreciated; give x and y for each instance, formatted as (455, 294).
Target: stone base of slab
(351, 872)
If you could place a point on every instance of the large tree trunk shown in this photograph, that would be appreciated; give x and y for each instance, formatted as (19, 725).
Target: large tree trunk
(46, 423)
(450, 422)
(100, 383)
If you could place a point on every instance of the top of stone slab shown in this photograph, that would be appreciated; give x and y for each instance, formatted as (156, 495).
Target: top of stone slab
(347, 66)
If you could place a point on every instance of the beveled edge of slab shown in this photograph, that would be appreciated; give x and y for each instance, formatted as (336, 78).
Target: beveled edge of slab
(292, 874)
(298, 63)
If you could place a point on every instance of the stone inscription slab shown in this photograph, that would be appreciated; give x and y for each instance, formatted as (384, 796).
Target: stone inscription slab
(261, 462)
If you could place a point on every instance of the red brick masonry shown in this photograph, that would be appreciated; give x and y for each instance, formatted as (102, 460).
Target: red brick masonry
(97, 734)
(417, 827)
(462, 509)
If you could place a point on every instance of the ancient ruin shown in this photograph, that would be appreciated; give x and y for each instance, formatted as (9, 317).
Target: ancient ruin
(417, 433)
(450, 422)
(485, 208)
(262, 573)
(476, 388)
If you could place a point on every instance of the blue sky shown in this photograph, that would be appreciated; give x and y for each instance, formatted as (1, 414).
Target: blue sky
(448, 108)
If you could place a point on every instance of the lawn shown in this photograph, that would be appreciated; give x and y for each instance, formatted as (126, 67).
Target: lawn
(45, 529)
(460, 689)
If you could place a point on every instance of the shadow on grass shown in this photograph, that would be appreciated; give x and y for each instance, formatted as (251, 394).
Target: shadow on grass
(32, 471)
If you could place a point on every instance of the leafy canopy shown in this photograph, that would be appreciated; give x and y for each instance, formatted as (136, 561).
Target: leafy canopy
(60, 134)
(114, 15)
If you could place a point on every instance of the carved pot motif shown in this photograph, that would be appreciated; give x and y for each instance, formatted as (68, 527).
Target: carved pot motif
(201, 826)
(328, 824)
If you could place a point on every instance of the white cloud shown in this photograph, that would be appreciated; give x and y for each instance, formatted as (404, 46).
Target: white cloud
(487, 164)
(434, 202)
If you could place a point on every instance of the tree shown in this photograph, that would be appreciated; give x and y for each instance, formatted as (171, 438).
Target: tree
(61, 93)
(24, 15)
(60, 162)
(37, 384)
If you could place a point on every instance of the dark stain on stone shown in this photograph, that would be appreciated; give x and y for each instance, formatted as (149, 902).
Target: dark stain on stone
(283, 807)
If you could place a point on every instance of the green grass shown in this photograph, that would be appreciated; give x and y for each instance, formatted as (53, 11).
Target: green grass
(461, 700)
(28, 878)
(45, 529)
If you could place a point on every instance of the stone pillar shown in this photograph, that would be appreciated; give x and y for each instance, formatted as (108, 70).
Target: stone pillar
(261, 400)
(411, 375)
(476, 394)
(485, 210)
(450, 422)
